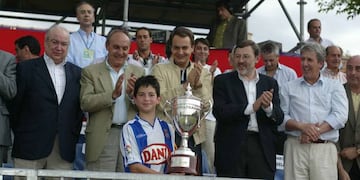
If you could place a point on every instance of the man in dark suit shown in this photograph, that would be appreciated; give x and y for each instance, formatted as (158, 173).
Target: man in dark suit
(47, 107)
(247, 111)
(7, 92)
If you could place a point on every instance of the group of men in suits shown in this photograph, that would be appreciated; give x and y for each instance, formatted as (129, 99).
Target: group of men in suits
(52, 93)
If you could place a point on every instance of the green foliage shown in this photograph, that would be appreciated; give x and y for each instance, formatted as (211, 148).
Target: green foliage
(349, 7)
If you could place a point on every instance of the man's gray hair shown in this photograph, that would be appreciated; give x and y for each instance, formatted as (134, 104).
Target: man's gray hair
(314, 47)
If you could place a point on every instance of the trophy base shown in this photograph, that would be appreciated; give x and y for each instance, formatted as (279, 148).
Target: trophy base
(182, 164)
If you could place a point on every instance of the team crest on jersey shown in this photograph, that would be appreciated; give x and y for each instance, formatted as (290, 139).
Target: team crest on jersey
(155, 154)
(128, 149)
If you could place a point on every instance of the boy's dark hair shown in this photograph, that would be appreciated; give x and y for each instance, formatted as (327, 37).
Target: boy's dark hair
(31, 42)
(146, 81)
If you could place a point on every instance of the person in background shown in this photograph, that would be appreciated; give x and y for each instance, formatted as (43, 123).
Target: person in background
(27, 47)
(7, 93)
(333, 62)
(47, 117)
(106, 94)
(85, 45)
(314, 30)
(228, 30)
(174, 78)
(201, 55)
(315, 108)
(143, 56)
(159, 136)
(349, 139)
(247, 112)
(270, 54)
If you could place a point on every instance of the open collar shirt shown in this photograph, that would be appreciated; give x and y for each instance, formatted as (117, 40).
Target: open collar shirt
(120, 109)
(84, 49)
(58, 77)
(324, 100)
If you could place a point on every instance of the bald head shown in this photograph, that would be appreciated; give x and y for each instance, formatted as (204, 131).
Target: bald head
(353, 73)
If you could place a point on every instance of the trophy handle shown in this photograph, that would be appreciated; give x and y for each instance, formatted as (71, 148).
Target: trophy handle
(167, 103)
(207, 113)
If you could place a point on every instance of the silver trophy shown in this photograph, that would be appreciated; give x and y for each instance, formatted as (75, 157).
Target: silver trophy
(186, 112)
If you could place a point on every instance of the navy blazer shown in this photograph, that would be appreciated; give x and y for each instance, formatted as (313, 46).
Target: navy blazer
(230, 102)
(39, 117)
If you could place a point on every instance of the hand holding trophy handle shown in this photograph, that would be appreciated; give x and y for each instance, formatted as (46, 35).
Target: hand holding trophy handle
(207, 112)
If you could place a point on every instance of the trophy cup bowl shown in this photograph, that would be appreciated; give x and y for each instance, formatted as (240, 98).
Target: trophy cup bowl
(186, 112)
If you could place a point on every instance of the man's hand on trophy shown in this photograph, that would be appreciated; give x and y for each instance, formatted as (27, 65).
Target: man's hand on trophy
(130, 85)
(118, 87)
(205, 106)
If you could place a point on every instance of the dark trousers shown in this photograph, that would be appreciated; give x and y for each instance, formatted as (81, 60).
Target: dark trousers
(194, 148)
(251, 163)
(280, 141)
(354, 172)
(3, 154)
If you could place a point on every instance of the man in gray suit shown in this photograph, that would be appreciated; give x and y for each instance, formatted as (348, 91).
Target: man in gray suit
(349, 140)
(7, 92)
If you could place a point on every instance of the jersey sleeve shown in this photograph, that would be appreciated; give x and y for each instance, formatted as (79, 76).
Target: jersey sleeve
(128, 146)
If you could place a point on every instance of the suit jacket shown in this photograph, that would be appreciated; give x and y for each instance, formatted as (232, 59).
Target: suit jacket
(230, 102)
(38, 116)
(235, 32)
(350, 134)
(7, 92)
(96, 99)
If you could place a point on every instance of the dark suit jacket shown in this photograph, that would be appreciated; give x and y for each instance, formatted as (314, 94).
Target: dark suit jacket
(39, 117)
(350, 134)
(230, 102)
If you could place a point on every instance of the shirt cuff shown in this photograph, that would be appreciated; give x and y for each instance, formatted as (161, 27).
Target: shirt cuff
(268, 110)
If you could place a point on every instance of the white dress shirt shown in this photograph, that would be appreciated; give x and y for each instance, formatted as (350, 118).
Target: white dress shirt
(57, 74)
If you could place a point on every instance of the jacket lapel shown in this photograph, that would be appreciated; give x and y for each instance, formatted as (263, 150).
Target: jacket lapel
(44, 74)
(105, 79)
(351, 118)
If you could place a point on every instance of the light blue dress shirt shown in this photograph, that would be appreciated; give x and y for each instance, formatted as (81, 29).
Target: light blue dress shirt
(283, 74)
(323, 101)
(83, 50)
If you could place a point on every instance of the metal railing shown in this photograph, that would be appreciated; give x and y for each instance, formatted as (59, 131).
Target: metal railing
(32, 174)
